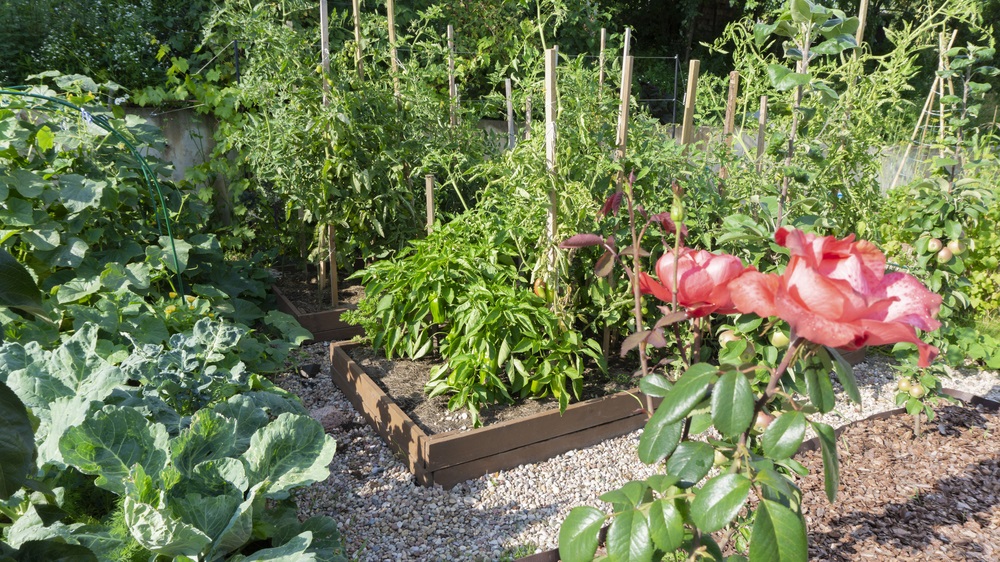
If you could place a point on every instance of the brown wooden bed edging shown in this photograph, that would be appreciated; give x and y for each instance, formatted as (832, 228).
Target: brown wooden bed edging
(452, 457)
(325, 325)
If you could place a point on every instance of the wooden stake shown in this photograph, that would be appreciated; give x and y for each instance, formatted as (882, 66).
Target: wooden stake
(761, 132)
(321, 273)
(621, 138)
(862, 18)
(527, 118)
(551, 59)
(331, 235)
(324, 40)
(730, 124)
(687, 129)
(393, 55)
(452, 92)
(357, 39)
(429, 195)
(600, 62)
(511, 138)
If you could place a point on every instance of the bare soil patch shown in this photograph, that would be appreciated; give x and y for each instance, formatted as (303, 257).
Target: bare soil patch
(900, 498)
(403, 380)
(301, 288)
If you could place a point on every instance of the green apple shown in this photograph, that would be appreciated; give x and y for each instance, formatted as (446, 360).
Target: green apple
(934, 245)
(918, 391)
(779, 339)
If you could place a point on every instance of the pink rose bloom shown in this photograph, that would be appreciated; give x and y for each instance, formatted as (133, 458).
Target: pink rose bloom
(702, 280)
(837, 293)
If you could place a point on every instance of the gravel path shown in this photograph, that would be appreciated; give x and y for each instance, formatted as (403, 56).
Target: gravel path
(384, 516)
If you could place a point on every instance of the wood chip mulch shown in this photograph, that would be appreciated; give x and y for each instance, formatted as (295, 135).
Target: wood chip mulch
(933, 498)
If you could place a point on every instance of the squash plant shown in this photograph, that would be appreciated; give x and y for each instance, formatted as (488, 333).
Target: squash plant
(81, 213)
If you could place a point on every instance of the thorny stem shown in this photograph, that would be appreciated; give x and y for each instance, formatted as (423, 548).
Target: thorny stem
(772, 385)
(636, 295)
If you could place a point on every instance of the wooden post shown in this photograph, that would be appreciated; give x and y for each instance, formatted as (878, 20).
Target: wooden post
(429, 195)
(511, 139)
(330, 230)
(527, 118)
(600, 62)
(761, 132)
(393, 55)
(452, 92)
(357, 39)
(687, 129)
(862, 18)
(551, 59)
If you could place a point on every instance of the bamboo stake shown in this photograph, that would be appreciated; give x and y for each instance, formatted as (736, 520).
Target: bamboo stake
(687, 129)
(393, 55)
(452, 92)
(761, 131)
(511, 138)
(429, 196)
(321, 274)
(357, 39)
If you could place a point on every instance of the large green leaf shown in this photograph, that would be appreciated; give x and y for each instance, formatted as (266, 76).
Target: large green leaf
(628, 537)
(111, 442)
(17, 288)
(52, 550)
(211, 436)
(17, 443)
(784, 79)
(666, 525)
(78, 193)
(290, 452)
(628, 496)
(690, 462)
(659, 438)
(718, 501)
(578, 534)
(784, 436)
(845, 374)
(779, 534)
(687, 392)
(158, 531)
(295, 550)
(820, 389)
(831, 463)
(247, 416)
(732, 404)
(655, 385)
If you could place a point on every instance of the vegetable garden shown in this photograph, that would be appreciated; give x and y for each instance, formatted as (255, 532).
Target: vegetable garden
(724, 264)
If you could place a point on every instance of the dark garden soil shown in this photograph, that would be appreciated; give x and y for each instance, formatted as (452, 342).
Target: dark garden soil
(300, 287)
(403, 380)
(900, 498)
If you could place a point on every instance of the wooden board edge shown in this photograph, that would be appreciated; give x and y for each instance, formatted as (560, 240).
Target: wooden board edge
(536, 452)
(400, 432)
(284, 303)
(455, 448)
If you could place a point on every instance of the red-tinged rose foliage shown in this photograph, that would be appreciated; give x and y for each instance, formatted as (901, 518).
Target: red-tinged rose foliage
(837, 293)
(702, 280)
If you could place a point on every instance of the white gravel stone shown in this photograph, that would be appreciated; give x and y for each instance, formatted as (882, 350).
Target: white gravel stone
(383, 515)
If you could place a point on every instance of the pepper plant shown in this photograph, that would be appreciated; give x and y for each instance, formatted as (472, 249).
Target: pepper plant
(834, 294)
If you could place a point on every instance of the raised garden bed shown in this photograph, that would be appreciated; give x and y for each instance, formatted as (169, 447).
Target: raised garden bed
(455, 456)
(325, 325)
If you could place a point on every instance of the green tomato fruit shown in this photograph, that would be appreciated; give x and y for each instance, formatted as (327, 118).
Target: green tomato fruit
(917, 391)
